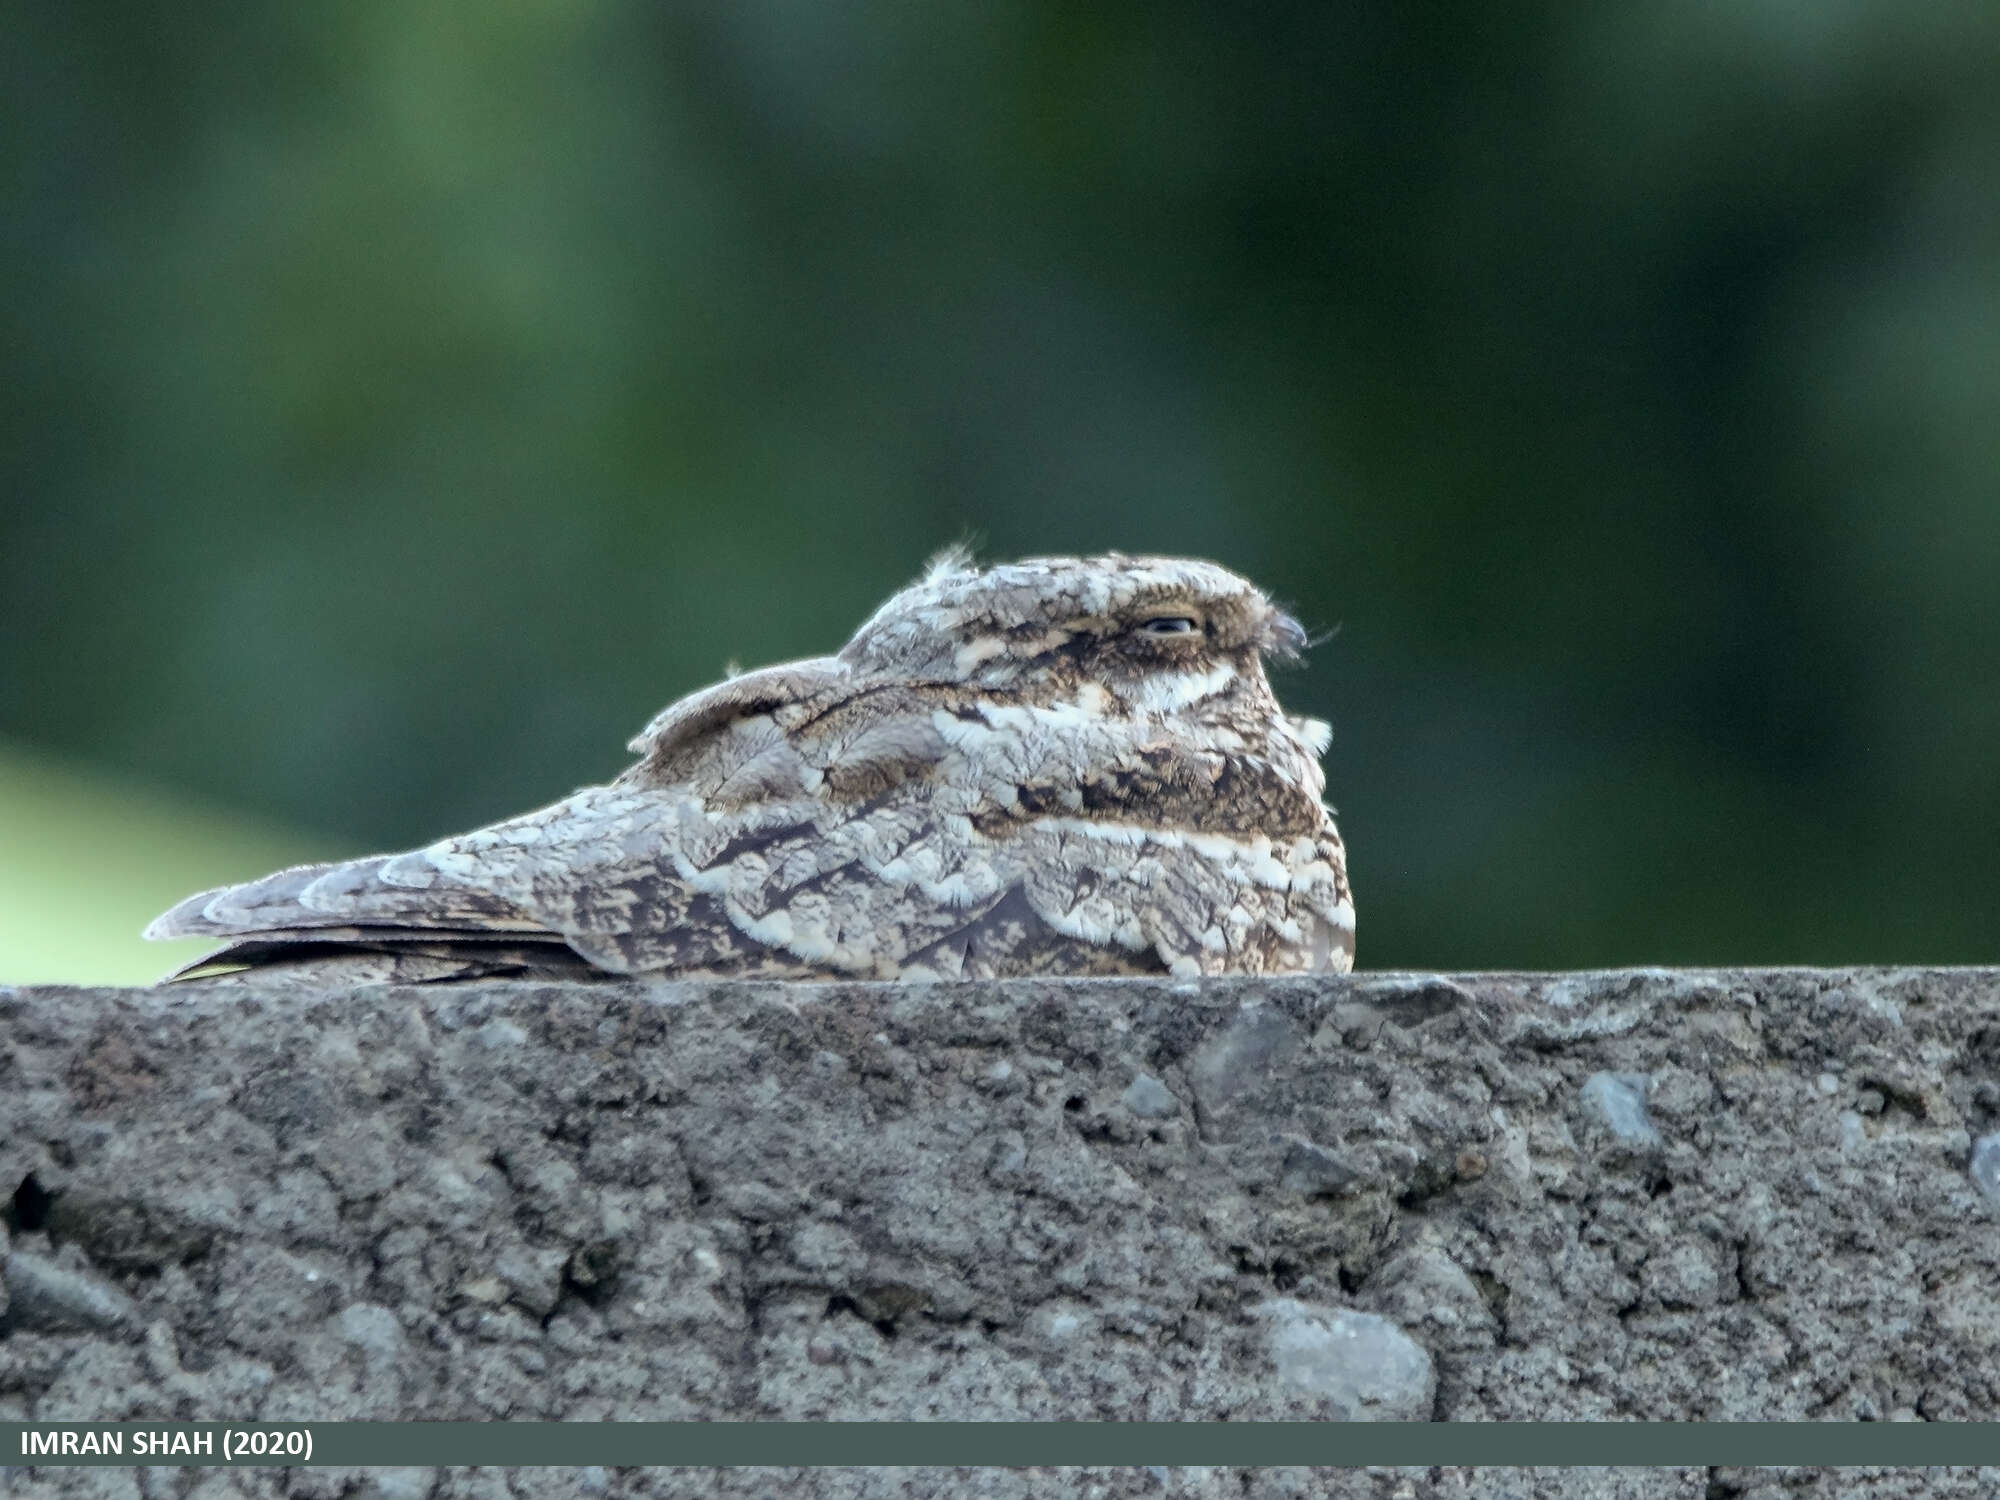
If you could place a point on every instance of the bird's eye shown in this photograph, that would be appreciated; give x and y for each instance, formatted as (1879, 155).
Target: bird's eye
(1171, 625)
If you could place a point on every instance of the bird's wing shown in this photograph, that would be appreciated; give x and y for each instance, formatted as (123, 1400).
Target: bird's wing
(752, 838)
(643, 879)
(334, 896)
(797, 837)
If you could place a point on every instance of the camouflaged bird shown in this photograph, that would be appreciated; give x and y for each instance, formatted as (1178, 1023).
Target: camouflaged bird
(1060, 766)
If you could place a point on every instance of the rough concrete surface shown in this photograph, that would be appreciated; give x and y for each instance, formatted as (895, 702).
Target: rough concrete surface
(1627, 1195)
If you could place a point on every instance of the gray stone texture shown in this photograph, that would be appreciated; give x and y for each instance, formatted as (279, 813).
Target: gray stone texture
(1629, 1195)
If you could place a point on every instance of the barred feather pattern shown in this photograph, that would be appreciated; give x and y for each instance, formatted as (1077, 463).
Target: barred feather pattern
(1058, 766)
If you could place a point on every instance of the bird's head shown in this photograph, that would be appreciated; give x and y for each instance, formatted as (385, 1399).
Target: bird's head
(1160, 635)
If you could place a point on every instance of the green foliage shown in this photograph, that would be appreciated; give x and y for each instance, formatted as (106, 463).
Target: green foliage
(405, 401)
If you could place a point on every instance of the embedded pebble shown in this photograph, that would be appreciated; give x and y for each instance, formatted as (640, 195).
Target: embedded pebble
(44, 1294)
(1311, 1169)
(1062, 1321)
(1242, 1054)
(1684, 1275)
(1007, 1155)
(1985, 1166)
(398, 1484)
(829, 1065)
(501, 1033)
(1853, 1134)
(1619, 1100)
(373, 1329)
(1424, 1284)
(1149, 1098)
(1363, 1367)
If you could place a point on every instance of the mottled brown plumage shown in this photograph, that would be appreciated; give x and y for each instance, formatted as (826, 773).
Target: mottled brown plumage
(1064, 765)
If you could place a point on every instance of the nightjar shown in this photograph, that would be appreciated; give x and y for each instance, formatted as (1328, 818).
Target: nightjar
(1058, 766)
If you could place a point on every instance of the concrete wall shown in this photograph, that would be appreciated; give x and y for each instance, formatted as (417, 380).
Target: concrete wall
(1659, 1194)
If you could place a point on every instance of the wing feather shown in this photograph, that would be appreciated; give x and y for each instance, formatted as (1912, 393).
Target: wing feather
(770, 830)
(330, 895)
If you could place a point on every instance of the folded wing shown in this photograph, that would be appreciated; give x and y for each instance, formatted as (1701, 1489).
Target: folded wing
(784, 842)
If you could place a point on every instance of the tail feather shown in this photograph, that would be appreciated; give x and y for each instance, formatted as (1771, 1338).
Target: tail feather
(376, 954)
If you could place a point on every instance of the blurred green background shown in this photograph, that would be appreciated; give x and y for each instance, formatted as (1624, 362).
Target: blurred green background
(403, 401)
